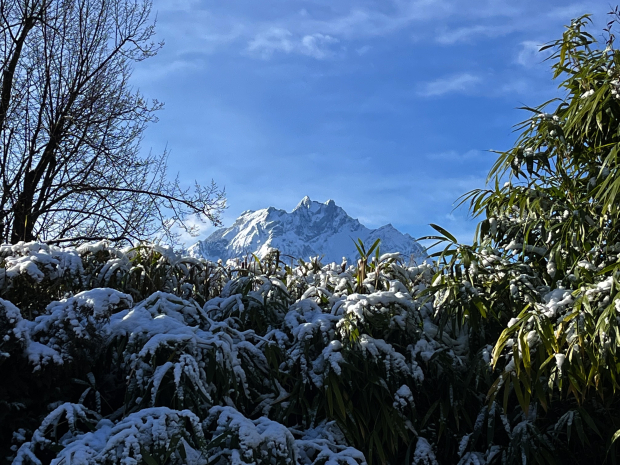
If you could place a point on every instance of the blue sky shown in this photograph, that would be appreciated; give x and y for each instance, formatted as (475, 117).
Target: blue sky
(388, 107)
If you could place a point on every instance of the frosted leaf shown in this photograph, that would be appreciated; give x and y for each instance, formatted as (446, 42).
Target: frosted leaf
(423, 454)
(261, 440)
(156, 431)
(473, 458)
(75, 416)
(403, 398)
(463, 444)
(330, 360)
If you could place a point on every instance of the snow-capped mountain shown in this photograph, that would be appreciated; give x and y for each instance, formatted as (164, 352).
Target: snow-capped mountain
(311, 229)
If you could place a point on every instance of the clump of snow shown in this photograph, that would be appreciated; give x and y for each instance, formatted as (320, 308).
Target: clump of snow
(258, 441)
(423, 454)
(403, 398)
(148, 431)
(14, 331)
(73, 325)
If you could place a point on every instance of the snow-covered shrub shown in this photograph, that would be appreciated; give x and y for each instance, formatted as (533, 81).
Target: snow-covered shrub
(33, 275)
(73, 328)
(280, 364)
(257, 302)
(13, 330)
(152, 435)
(326, 444)
(423, 454)
(238, 440)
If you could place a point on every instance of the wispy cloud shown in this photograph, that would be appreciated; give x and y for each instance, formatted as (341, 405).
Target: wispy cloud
(177, 5)
(571, 11)
(273, 40)
(317, 45)
(266, 43)
(289, 30)
(530, 55)
(253, 114)
(151, 71)
(379, 21)
(451, 36)
(363, 50)
(458, 157)
(200, 230)
(458, 83)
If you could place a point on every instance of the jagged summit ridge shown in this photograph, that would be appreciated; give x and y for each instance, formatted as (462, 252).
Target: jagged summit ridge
(311, 229)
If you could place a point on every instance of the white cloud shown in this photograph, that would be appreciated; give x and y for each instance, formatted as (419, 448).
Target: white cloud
(201, 230)
(150, 71)
(311, 29)
(360, 22)
(529, 55)
(198, 32)
(363, 50)
(316, 45)
(458, 83)
(452, 36)
(266, 43)
(176, 5)
(517, 86)
(569, 12)
(272, 40)
(214, 40)
(456, 157)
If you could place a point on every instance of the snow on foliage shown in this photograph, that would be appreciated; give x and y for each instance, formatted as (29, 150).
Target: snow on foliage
(162, 375)
(188, 361)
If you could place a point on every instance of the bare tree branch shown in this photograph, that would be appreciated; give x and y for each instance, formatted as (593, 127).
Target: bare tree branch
(71, 126)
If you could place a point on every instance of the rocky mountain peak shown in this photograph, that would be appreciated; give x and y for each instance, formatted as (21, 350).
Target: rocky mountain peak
(311, 229)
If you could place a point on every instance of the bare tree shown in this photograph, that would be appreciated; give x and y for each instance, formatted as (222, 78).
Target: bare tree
(71, 125)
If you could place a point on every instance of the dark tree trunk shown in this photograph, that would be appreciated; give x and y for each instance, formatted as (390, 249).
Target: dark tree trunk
(24, 220)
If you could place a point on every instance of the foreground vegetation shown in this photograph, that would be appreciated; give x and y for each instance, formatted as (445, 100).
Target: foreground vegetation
(505, 351)
(310, 364)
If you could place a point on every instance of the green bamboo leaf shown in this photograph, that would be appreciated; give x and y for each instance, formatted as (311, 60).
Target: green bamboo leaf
(339, 401)
(444, 232)
(588, 419)
(507, 385)
(540, 393)
(579, 426)
(330, 400)
(480, 306)
(148, 458)
(429, 413)
(525, 352)
(437, 238)
(517, 388)
(373, 246)
(359, 245)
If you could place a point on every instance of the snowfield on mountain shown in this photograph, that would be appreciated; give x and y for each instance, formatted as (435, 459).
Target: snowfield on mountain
(311, 229)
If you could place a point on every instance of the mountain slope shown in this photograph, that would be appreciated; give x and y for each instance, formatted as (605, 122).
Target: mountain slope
(311, 229)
